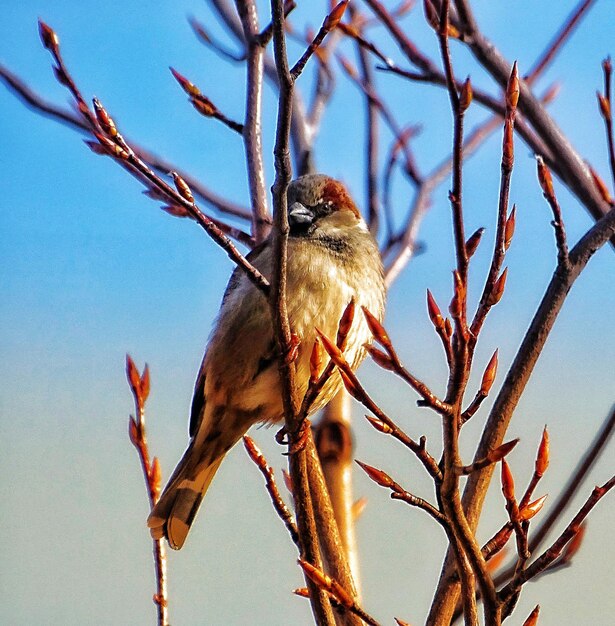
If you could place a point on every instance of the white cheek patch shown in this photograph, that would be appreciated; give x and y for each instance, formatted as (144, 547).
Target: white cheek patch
(332, 273)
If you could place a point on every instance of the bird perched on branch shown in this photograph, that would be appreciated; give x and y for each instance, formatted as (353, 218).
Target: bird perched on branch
(332, 258)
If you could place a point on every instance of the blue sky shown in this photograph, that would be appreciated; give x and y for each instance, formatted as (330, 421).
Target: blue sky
(91, 269)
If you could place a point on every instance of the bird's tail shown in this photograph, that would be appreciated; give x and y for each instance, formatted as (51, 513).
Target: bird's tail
(176, 509)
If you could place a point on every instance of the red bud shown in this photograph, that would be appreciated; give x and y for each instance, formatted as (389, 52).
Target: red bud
(498, 289)
(501, 451)
(134, 379)
(434, 311)
(509, 229)
(345, 324)
(532, 509)
(377, 330)
(544, 178)
(508, 483)
(605, 106)
(378, 476)
(379, 425)
(182, 187)
(316, 359)
(465, 99)
(48, 36)
(512, 90)
(542, 458)
(473, 241)
(532, 620)
(333, 19)
(380, 358)
(600, 185)
(489, 375)
(190, 88)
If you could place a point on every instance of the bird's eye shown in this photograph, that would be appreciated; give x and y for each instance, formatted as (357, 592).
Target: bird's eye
(324, 208)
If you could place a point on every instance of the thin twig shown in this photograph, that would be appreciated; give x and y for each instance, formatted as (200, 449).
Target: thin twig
(203, 104)
(337, 591)
(329, 23)
(105, 131)
(252, 127)
(491, 292)
(357, 391)
(558, 41)
(399, 493)
(371, 144)
(463, 540)
(274, 493)
(140, 386)
(546, 182)
(606, 108)
(162, 166)
(306, 523)
(549, 556)
(571, 168)
(206, 38)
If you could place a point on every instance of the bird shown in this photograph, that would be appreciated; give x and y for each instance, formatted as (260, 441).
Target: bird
(331, 259)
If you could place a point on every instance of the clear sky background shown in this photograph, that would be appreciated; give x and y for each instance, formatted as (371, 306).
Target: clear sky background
(90, 269)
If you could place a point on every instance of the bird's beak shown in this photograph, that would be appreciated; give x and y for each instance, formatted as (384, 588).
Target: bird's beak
(299, 215)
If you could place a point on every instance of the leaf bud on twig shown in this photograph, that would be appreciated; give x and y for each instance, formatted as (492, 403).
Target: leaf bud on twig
(190, 88)
(377, 330)
(334, 17)
(498, 289)
(532, 509)
(532, 619)
(473, 241)
(512, 90)
(104, 119)
(134, 379)
(379, 425)
(155, 476)
(380, 358)
(509, 229)
(378, 476)
(542, 458)
(345, 324)
(466, 96)
(316, 359)
(48, 36)
(508, 483)
(605, 106)
(544, 178)
(434, 311)
(600, 185)
(489, 375)
(182, 187)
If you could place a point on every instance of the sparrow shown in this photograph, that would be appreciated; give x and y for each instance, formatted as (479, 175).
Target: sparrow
(332, 258)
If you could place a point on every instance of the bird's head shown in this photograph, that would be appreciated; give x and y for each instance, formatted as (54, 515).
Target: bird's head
(317, 202)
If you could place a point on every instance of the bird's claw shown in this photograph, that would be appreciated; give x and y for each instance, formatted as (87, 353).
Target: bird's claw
(296, 440)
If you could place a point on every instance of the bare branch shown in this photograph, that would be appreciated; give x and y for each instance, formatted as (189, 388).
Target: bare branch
(140, 386)
(274, 493)
(252, 129)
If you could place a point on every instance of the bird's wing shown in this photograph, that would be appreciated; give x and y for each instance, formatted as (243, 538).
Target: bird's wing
(198, 399)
